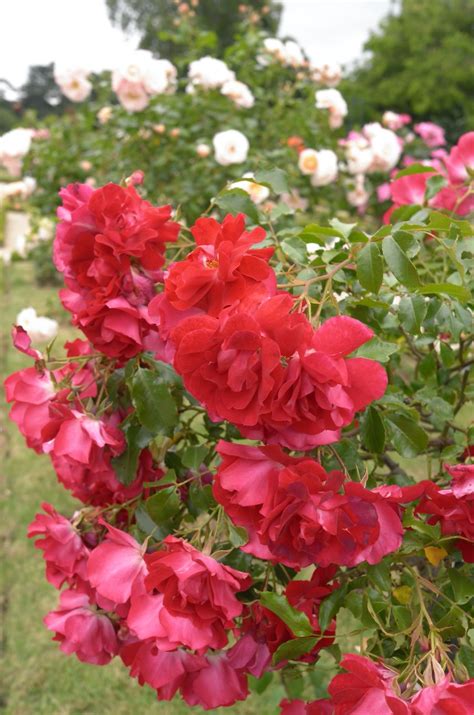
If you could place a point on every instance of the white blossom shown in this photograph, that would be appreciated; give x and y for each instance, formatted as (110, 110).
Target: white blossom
(73, 82)
(38, 327)
(230, 147)
(209, 73)
(257, 192)
(239, 93)
(334, 102)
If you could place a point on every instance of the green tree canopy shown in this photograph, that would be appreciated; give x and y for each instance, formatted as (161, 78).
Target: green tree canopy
(156, 20)
(421, 62)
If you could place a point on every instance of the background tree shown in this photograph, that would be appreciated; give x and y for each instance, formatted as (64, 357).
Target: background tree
(157, 21)
(40, 92)
(421, 62)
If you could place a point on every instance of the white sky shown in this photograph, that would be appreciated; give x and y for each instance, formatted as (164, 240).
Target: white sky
(69, 31)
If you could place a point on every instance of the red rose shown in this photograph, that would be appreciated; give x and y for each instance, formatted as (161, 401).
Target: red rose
(294, 513)
(367, 687)
(63, 549)
(444, 698)
(31, 392)
(223, 269)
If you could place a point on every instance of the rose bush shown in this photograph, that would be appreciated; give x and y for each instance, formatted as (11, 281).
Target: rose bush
(266, 427)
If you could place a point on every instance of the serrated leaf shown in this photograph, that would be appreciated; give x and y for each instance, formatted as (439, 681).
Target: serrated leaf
(370, 268)
(236, 201)
(295, 249)
(163, 505)
(294, 649)
(412, 312)
(408, 438)
(376, 349)
(399, 263)
(330, 606)
(462, 585)
(297, 621)
(275, 178)
(373, 431)
(153, 402)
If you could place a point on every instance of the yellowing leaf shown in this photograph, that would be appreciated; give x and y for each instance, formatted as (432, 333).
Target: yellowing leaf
(435, 554)
(402, 594)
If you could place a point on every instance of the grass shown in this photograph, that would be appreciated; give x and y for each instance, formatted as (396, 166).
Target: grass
(37, 678)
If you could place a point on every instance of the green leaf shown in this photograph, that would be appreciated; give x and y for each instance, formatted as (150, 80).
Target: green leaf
(312, 233)
(295, 249)
(163, 505)
(415, 169)
(193, 457)
(463, 586)
(330, 606)
(379, 575)
(294, 649)
(408, 438)
(236, 201)
(343, 228)
(460, 292)
(237, 535)
(259, 685)
(373, 431)
(376, 349)
(402, 616)
(274, 178)
(297, 621)
(126, 464)
(399, 263)
(153, 402)
(370, 267)
(412, 312)
(433, 185)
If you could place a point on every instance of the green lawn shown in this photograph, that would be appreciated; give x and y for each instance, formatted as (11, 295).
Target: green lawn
(37, 679)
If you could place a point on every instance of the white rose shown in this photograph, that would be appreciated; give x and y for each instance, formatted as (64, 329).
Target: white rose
(257, 192)
(209, 72)
(329, 74)
(134, 68)
(385, 145)
(104, 114)
(160, 77)
(73, 82)
(332, 100)
(359, 195)
(230, 147)
(326, 169)
(38, 327)
(359, 156)
(275, 47)
(308, 161)
(293, 56)
(239, 93)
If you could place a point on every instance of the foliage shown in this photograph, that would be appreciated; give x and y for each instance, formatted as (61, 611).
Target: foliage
(417, 64)
(158, 21)
(409, 282)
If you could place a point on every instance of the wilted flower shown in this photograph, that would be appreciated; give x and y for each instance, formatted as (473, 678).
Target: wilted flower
(230, 147)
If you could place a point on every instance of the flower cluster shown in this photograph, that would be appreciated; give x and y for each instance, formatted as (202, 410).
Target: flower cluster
(455, 172)
(247, 353)
(371, 687)
(109, 247)
(73, 82)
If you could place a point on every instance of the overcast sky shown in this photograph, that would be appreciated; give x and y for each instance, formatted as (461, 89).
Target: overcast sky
(42, 31)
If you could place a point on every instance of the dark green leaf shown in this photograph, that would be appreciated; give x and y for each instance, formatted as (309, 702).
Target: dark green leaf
(463, 586)
(275, 178)
(163, 505)
(125, 465)
(455, 291)
(399, 263)
(370, 267)
(153, 402)
(433, 185)
(379, 575)
(373, 431)
(412, 312)
(297, 621)
(193, 457)
(236, 201)
(295, 249)
(259, 685)
(294, 649)
(330, 606)
(408, 438)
